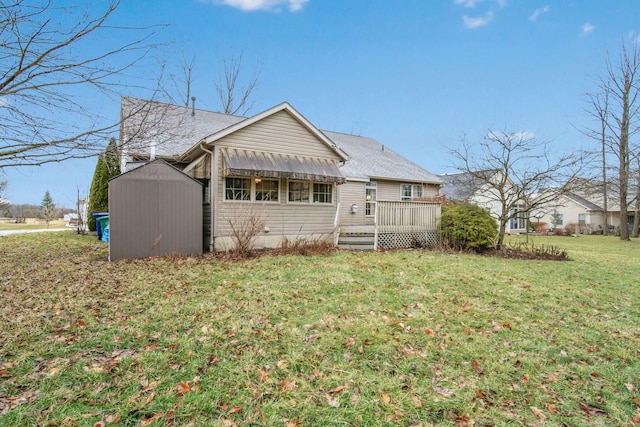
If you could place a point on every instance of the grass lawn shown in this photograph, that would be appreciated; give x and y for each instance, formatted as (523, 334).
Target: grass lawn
(409, 338)
(30, 224)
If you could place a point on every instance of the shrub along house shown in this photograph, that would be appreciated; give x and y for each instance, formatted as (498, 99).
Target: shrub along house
(277, 177)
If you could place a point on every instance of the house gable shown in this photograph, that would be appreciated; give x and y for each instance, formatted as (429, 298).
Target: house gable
(279, 130)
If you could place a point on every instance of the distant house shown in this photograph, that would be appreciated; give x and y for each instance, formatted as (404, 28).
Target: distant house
(469, 187)
(276, 168)
(581, 210)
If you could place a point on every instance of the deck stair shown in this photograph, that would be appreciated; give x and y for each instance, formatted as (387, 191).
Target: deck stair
(357, 238)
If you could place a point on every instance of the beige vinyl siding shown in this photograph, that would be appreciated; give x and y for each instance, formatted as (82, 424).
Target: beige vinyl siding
(352, 192)
(391, 190)
(282, 217)
(279, 133)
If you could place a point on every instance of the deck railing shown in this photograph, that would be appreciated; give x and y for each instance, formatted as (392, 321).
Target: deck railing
(407, 223)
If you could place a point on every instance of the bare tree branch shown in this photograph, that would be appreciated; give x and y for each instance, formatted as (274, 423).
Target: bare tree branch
(513, 171)
(43, 65)
(233, 98)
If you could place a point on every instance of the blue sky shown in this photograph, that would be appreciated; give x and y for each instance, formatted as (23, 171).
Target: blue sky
(416, 75)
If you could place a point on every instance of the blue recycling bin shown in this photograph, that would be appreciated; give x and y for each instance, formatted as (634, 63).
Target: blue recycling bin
(102, 219)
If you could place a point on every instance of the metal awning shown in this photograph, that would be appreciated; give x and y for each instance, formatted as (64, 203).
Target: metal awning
(272, 165)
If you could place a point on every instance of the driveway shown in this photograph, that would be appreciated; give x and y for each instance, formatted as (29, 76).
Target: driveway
(42, 230)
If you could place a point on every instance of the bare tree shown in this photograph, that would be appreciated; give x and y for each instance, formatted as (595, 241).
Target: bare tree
(43, 64)
(234, 98)
(514, 173)
(622, 120)
(599, 109)
(3, 201)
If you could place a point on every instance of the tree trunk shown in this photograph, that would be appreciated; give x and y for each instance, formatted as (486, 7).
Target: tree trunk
(636, 216)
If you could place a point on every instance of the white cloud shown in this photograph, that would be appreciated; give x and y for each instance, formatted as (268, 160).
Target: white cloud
(468, 3)
(253, 5)
(477, 22)
(474, 3)
(536, 13)
(587, 28)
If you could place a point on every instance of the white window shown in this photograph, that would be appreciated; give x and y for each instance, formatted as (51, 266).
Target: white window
(582, 219)
(322, 193)
(237, 189)
(371, 188)
(299, 191)
(410, 191)
(266, 190)
(308, 192)
(251, 189)
(518, 218)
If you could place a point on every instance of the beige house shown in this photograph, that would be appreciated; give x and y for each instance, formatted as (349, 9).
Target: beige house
(464, 187)
(278, 170)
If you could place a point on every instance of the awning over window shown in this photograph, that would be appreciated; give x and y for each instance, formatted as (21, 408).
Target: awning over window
(271, 165)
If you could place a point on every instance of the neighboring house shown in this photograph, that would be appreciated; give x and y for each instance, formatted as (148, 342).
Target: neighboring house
(277, 169)
(467, 187)
(581, 210)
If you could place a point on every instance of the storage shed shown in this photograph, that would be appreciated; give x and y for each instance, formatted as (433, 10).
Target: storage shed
(154, 210)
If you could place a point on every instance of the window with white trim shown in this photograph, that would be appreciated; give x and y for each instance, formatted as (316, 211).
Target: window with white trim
(237, 188)
(582, 219)
(322, 192)
(518, 218)
(299, 191)
(266, 190)
(251, 189)
(410, 191)
(370, 188)
(310, 192)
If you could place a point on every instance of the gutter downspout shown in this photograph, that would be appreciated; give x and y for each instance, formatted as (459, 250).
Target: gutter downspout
(213, 192)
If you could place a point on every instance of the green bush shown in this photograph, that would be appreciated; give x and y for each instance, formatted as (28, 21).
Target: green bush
(107, 167)
(465, 226)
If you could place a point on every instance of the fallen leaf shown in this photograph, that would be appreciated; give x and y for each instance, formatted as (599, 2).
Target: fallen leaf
(113, 419)
(525, 378)
(630, 387)
(229, 423)
(350, 342)
(538, 413)
(182, 388)
(430, 332)
(262, 375)
(636, 418)
(386, 398)
(476, 366)
(416, 401)
(443, 391)
(281, 364)
(591, 410)
(553, 377)
(635, 400)
(332, 401)
(99, 424)
(552, 408)
(293, 423)
(287, 386)
(338, 389)
(235, 410)
(151, 420)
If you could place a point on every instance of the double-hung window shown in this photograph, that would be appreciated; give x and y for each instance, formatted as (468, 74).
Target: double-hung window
(310, 192)
(371, 188)
(322, 192)
(299, 191)
(410, 191)
(266, 190)
(237, 188)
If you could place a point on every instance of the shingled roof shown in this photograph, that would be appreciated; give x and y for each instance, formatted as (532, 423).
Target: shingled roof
(173, 130)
